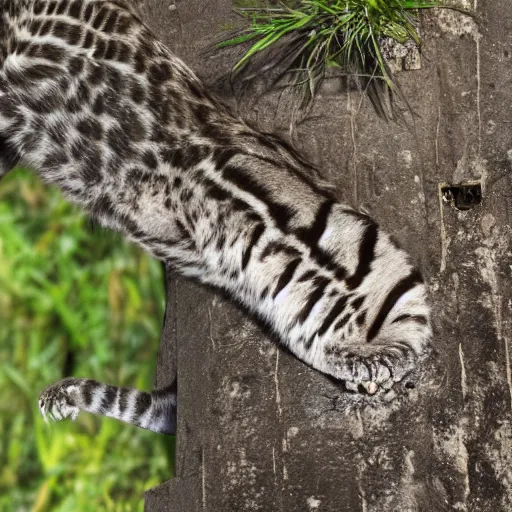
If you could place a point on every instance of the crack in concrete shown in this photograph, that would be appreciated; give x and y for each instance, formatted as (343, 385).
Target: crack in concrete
(276, 380)
(203, 480)
(354, 147)
(210, 332)
(444, 242)
(436, 140)
(463, 375)
(502, 337)
(478, 91)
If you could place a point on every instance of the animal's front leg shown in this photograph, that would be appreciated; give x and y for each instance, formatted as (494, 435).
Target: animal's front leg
(372, 367)
(154, 411)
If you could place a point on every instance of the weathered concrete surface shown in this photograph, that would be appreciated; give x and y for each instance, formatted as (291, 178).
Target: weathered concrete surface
(258, 430)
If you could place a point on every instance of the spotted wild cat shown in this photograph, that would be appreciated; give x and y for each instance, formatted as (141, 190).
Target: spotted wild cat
(95, 104)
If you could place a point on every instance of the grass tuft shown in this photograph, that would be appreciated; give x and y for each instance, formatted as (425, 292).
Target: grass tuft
(302, 39)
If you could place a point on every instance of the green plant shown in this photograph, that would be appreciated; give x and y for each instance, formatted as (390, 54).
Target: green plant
(304, 38)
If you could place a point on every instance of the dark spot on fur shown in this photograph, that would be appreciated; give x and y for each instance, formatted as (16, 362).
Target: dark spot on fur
(55, 159)
(131, 124)
(89, 39)
(184, 158)
(84, 93)
(30, 142)
(51, 8)
(91, 128)
(119, 142)
(140, 62)
(101, 48)
(137, 92)
(185, 195)
(89, 10)
(46, 28)
(360, 320)
(76, 65)
(202, 114)
(114, 79)
(22, 47)
(43, 105)
(47, 51)
(100, 18)
(60, 29)
(96, 74)
(123, 24)
(74, 9)
(111, 22)
(149, 159)
(38, 8)
(74, 34)
(73, 105)
(7, 107)
(123, 52)
(159, 134)
(195, 89)
(159, 73)
(111, 52)
(62, 6)
(98, 106)
(222, 156)
(356, 304)
(35, 26)
(111, 102)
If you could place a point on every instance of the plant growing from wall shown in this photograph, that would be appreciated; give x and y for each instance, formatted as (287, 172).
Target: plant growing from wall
(302, 39)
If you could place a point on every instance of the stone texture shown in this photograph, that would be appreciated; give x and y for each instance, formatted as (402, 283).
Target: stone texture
(177, 495)
(260, 431)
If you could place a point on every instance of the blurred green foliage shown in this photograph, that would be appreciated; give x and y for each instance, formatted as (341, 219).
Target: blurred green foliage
(73, 300)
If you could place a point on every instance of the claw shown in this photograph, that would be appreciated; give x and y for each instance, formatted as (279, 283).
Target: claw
(351, 386)
(370, 387)
(387, 384)
(383, 374)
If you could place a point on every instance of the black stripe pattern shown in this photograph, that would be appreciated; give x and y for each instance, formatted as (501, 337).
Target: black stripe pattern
(393, 296)
(366, 256)
(311, 236)
(280, 213)
(333, 314)
(286, 276)
(255, 237)
(319, 285)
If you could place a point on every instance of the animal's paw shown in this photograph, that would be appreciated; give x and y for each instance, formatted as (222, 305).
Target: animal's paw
(373, 372)
(58, 401)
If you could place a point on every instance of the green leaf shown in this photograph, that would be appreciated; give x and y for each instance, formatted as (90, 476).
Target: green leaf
(345, 33)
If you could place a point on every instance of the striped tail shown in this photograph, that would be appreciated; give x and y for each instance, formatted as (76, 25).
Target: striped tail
(154, 411)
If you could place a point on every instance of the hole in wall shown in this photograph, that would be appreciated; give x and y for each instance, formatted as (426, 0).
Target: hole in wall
(463, 196)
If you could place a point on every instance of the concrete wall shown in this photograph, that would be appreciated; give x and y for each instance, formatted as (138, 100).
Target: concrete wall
(260, 431)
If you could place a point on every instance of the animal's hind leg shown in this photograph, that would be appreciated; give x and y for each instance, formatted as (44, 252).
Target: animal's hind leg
(154, 411)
